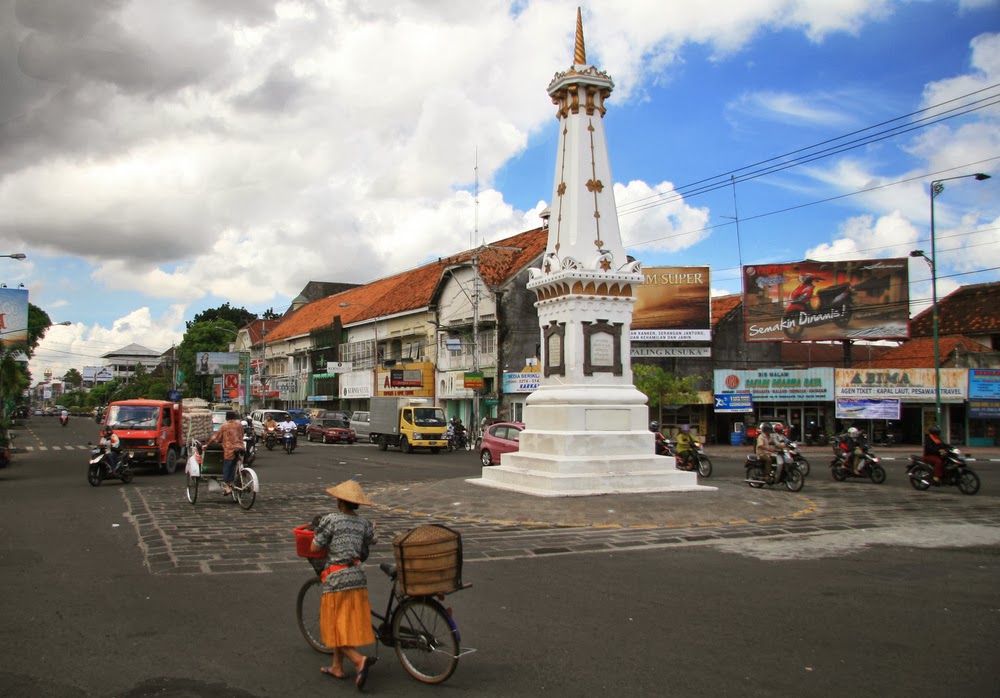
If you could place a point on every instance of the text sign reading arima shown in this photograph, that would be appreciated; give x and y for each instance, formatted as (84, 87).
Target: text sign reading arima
(670, 352)
(733, 402)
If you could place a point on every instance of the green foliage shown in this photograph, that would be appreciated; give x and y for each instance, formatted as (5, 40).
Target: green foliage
(665, 389)
(212, 336)
(239, 317)
(73, 378)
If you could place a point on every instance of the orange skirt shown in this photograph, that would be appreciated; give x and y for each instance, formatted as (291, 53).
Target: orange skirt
(345, 618)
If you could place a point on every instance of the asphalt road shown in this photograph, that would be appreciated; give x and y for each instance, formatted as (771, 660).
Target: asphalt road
(122, 590)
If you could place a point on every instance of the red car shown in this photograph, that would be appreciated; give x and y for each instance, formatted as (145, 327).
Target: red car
(330, 431)
(500, 438)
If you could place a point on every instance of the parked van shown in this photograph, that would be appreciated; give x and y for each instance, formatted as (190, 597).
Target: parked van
(258, 417)
(361, 424)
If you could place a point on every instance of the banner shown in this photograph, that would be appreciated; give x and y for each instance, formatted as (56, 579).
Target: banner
(733, 402)
(525, 382)
(13, 316)
(908, 384)
(777, 384)
(808, 300)
(867, 409)
(673, 304)
(984, 383)
(217, 363)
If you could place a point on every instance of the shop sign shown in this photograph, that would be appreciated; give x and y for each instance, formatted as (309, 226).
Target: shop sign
(521, 382)
(909, 384)
(777, 384)
(984, 409)
(670, 352)
(984, 383)
(403, 378)
(473, 380)
(864, 408)
(733, 402)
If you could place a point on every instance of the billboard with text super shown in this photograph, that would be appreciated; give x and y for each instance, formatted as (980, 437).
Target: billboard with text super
(809, 300)
(673, 304)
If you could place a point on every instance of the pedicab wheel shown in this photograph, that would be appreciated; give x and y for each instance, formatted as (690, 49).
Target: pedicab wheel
(307, 612)
(877, 474)
(243, 489)
(755, 476)
(794, 480)
(704, 466)
(968, 482)
(192, 489)
(426, 640)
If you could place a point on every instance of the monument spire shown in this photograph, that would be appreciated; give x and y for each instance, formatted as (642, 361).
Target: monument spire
(580, 51)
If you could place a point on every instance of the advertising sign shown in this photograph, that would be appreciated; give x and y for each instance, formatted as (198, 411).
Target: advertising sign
(401, 378)
(908, 384)
(473, 380)
(13, 316)
(863, 408)
(984, 384)
(521, 382)
(777, 384)
(809, 300)
(670, 352)
(984, 409)
(734, 402)
(673, 304)
(217, 363)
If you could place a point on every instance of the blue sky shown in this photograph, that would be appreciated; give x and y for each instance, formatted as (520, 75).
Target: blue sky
(157, 161)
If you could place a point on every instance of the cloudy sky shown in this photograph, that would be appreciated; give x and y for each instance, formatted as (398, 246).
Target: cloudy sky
(160, 158)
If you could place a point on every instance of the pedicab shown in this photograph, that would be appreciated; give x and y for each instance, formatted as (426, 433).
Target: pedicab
(205, 464)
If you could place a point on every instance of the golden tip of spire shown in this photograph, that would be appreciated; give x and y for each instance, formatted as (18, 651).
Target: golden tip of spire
(580, 51)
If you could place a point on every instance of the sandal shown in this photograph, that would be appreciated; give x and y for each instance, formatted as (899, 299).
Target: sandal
(362, 677)
(329, 672)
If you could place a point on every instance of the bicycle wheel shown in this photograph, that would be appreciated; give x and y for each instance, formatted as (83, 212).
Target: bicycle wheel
(307, 612)
(243, 489)
(426, 640)
(192, 489)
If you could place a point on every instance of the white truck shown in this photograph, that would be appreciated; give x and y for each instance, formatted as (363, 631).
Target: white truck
(408, 423)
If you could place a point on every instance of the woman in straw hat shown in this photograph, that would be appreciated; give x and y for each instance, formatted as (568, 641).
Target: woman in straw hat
(345, 614)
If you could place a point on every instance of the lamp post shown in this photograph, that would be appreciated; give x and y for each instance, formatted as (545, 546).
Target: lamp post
(375, 351)
(937, 186)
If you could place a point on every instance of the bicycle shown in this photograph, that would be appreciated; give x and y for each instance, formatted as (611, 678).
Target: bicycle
(421, 630)
(245, 482)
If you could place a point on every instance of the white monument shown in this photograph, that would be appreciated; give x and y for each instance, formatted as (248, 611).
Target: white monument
(586, 424)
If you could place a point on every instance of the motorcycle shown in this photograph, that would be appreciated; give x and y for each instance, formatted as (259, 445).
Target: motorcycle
(100, 468)
(249, 446)
(834, 304)
(956, 472)
(63, 420)
(868, 466)
(270, 437)
(458, 442)
(803, 462)
(288, 441)
(787, 474)
(704, 464)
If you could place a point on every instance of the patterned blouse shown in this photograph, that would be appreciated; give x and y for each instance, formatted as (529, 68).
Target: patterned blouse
(347, 538)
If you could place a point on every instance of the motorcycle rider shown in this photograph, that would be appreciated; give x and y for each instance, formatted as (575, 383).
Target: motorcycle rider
(290, 425)
(64, 415)
(269, 424)
(685, 447)
(459, 432)
(765, 450)
(852, 444)
(660, 446)
(934, 451)
(110, 439)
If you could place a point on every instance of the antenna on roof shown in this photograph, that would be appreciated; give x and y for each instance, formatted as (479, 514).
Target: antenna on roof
(475, 200)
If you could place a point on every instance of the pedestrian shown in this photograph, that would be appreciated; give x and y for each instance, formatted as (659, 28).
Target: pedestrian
(230, 435)
(345, 613)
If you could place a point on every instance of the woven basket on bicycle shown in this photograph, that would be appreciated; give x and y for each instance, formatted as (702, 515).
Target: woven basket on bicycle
(428, 560)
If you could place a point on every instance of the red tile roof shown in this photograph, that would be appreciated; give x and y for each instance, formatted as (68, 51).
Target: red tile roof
(969, 310)
(411, 290)
(723, 306)
(919, 353)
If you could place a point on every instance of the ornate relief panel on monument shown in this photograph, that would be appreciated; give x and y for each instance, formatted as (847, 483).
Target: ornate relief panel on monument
(555, 353)
(602, 348)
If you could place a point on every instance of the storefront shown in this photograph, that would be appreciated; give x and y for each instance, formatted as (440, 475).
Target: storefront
(984, 406)
(802, 399)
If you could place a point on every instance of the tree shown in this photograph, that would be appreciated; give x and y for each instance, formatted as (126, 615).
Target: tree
(73, 378)
(665, 389)
(240, 317)
(201, 337)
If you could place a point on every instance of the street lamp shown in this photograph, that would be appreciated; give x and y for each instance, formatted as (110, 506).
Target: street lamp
(937, 186)
(16, 255)
(375, 351)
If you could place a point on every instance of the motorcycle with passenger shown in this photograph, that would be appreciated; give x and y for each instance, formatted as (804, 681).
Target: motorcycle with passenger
(785, 471)
(101, 468)
(866, 464)
(957, 473)
(270, 437)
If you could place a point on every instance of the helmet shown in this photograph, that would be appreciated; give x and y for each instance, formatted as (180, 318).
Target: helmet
(654, 426)
(853, 432)
(685, 428)
(766, 427)
(779, 428)
(935, 429)
(107, 429)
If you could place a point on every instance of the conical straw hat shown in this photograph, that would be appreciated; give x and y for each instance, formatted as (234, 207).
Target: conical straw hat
(350, 491)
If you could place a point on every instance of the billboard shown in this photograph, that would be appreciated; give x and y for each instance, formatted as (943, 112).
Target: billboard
(673, 304)
(777, 384)
(910, 384)
(216, 363)
(13, 315)
(809, 300)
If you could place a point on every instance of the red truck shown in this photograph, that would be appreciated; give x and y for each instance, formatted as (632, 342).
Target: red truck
(150, 430)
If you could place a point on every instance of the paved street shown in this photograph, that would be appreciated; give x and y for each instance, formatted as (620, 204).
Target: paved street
(131, 590)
